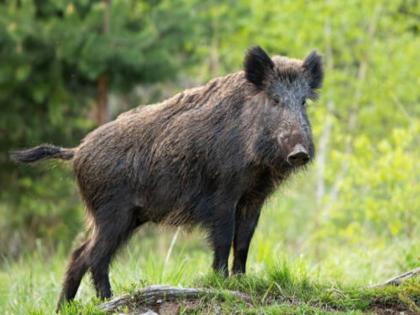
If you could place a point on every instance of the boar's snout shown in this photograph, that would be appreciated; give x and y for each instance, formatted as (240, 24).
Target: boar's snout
(298, 156)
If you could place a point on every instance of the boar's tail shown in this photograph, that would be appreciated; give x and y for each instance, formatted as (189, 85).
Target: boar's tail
(42, 152)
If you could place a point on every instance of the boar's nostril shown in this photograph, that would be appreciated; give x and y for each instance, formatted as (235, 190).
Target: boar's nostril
(298, 156)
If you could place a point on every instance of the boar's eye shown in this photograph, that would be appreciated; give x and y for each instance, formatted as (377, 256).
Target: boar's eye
(304, 103)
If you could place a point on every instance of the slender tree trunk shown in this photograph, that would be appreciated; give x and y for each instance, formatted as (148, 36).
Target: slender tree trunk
(354, 110)
(102, 110)
(324, 141)
(102, 114)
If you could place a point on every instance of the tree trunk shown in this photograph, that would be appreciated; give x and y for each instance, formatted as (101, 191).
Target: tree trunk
(102, 114)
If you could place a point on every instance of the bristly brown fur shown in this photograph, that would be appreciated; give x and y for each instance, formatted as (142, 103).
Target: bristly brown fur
(208, 156)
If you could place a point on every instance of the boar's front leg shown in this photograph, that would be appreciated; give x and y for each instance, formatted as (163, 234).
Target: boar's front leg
(221, 237)
(246, 220)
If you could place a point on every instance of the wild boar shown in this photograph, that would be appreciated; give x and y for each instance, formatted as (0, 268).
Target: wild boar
(208, 156)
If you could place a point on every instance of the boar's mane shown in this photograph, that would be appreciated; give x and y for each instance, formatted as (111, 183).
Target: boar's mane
(199, 142)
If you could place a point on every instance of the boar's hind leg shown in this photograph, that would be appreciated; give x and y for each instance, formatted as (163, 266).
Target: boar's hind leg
(77, 267)
(111, 232)
(246, 220)
(221, 236)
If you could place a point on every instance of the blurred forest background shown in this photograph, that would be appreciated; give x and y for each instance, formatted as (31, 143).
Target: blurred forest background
(68, 66)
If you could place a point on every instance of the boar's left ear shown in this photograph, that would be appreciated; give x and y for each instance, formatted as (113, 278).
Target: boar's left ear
(313, 67)
(258, 66)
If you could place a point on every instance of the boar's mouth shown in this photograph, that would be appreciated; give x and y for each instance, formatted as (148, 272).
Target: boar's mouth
(283, 167)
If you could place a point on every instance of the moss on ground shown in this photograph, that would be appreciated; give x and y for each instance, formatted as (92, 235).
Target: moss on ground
(282, 291)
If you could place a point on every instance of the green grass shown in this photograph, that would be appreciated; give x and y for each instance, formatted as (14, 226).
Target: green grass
(279, 285)
(293, 268)
(286, 290)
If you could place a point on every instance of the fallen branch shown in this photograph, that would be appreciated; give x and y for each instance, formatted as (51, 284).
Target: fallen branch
(155, 295)
(400, 278)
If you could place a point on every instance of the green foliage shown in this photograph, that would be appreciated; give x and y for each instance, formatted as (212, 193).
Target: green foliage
(52, 54)
(379, 197)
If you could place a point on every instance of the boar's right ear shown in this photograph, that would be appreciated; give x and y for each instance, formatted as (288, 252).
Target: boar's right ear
(258, 66)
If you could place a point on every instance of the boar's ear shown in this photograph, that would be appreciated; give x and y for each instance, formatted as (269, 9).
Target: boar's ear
(313, 67)
(258, 66)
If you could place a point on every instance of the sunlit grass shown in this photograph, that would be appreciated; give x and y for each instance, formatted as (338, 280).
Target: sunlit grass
(31, 285)
(286, 265)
